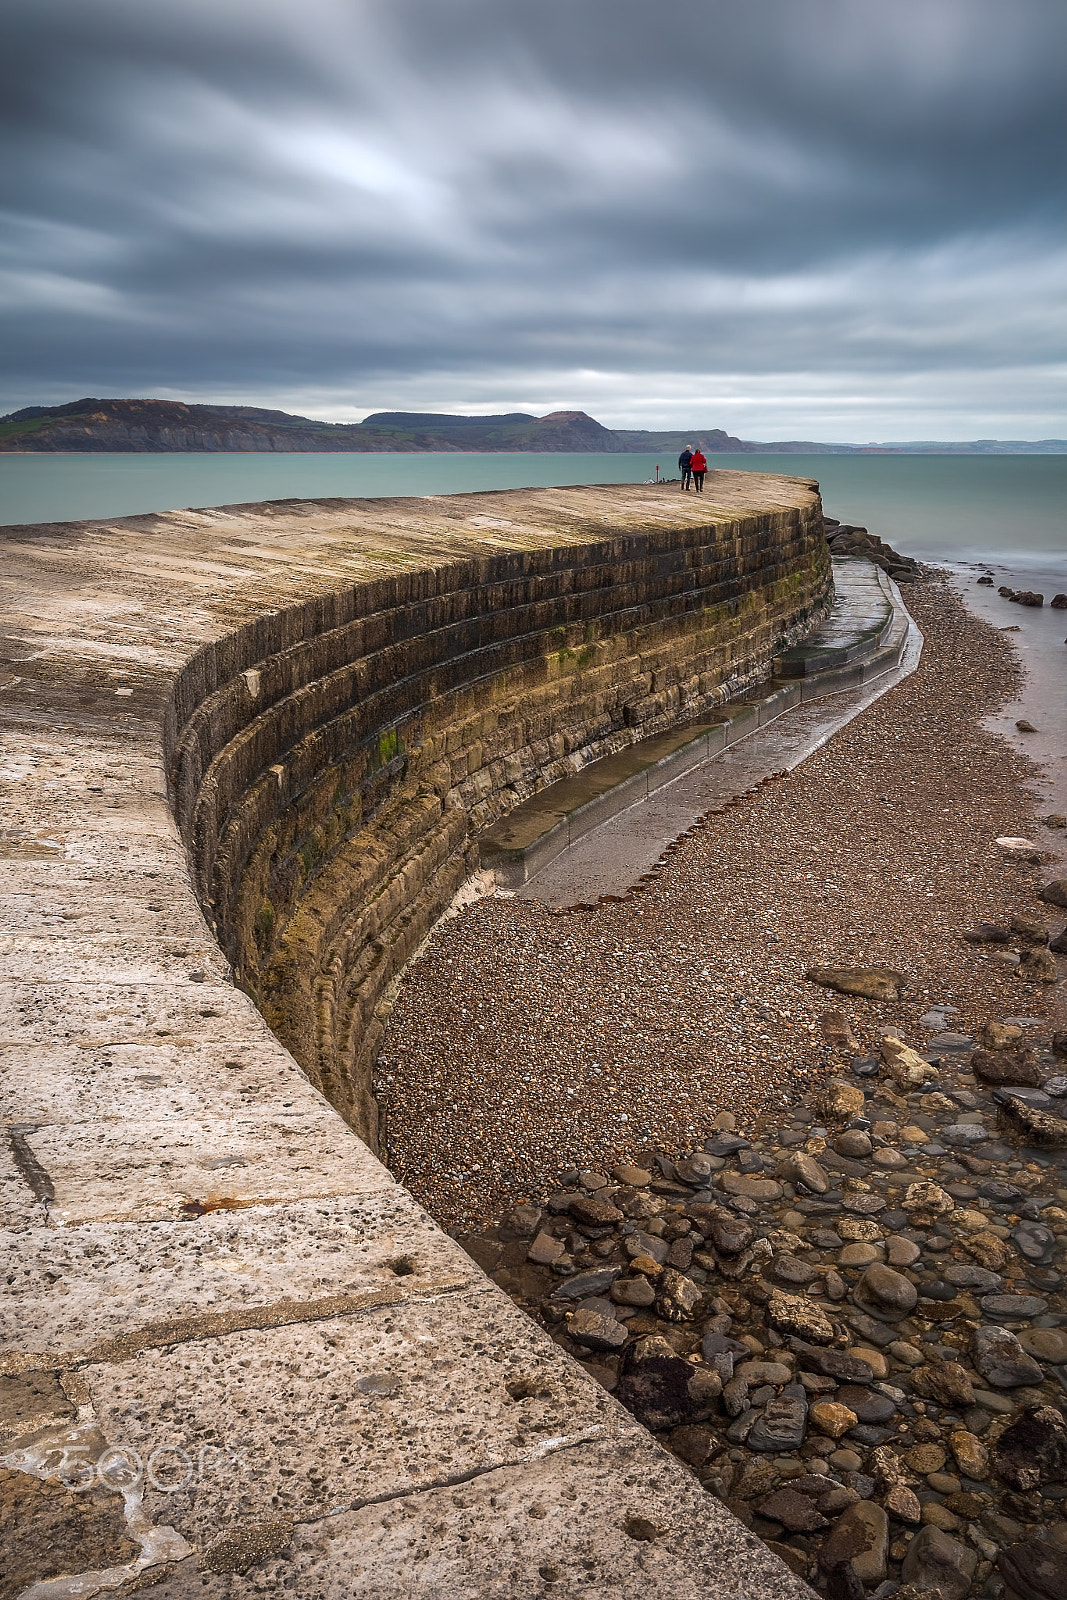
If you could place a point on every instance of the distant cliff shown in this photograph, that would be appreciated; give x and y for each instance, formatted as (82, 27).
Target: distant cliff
(168, 426)
(161, 427)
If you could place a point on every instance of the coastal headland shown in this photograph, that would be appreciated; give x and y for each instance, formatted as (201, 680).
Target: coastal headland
(257, 744)
(166, 427)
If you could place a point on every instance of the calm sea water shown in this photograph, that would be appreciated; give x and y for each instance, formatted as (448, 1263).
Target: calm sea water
(961, 507)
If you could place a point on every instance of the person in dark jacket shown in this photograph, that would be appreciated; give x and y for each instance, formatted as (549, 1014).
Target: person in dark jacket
(698, 466)
(685, 461)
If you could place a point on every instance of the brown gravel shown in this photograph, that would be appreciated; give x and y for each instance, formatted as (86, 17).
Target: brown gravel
(527, 1041)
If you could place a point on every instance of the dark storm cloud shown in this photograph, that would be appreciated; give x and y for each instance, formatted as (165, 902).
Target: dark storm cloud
(789, 216)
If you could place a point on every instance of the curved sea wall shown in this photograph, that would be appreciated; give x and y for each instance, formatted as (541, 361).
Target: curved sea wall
(333, 762)
(236, 1354)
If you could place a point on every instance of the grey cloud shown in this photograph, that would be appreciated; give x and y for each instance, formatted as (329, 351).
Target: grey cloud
(351, 200)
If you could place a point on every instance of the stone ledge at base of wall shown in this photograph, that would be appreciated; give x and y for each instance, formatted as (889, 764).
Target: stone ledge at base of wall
(219, 1300)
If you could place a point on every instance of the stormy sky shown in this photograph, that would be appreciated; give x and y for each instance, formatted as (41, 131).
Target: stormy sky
(832, 219)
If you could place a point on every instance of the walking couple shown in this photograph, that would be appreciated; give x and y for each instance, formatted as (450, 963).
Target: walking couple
(693, 467)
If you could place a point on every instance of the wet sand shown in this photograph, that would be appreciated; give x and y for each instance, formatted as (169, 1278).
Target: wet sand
(1039, 634)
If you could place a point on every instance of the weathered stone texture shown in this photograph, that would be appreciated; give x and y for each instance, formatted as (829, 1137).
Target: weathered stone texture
(332, 762)
(300, 715)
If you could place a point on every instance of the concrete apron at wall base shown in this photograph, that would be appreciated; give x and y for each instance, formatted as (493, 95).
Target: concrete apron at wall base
(844, 653)
(236, 1354)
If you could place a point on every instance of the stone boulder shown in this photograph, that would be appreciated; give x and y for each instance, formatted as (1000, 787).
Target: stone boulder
(1032, 1450)
(1036, 1567)
(869, 983)
(937, 1561)
(662, 1389)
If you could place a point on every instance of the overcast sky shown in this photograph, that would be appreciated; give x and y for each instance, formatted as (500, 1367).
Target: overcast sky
(830, 219)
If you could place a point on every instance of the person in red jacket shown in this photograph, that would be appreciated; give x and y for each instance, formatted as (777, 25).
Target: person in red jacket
(698, 466)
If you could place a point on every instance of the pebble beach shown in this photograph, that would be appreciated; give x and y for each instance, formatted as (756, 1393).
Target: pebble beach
(776, 1144)
(527, 1041)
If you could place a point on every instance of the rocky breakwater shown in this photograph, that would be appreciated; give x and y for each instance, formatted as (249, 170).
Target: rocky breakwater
(853, 1327)
(848, 539)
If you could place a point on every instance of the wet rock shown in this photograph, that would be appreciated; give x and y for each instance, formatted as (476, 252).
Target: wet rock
(1034, 1126)
(900, 1252)
(783, 1422)
(677, 1297)
(988, 933)
(1009, 1307)
(1037, 966)
(837, 1364)
(924, 1458)
(970, 1454)
(1005, 1068)
(936, 1561)
(964, 1133)
(924, 1202)
(1036, 1567)
(545, 1250)
(1055, 893)
(840, 1102)
(695, 1170)
(1032, 1450)
(989, 1251)
(870, 983)
(885, 1292)
(644, 1244)
(594, 1213)
(735, 1397)
(790, 1270)
(755, 1373)
(805, 1170)
(663, 1390)
(831, 1418)
(854, 1144)
(902, 1504)
(998, 1035)
(789, 1314)
(946, 1382)
(730, 1235)
(596, 1330)
(693, 1445)
(759, 1189)
(1000, 1359)
(858, 1255)
(585, 1284)
(907, 1068)
(859, 1537)
(1047, 1344)
(633, 1291)
(794, 1511)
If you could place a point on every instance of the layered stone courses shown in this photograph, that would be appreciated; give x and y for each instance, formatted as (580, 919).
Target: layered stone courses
(330, 787)
(199, 1255)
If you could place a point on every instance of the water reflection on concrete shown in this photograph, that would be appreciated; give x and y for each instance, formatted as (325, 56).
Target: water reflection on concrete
(611, 858)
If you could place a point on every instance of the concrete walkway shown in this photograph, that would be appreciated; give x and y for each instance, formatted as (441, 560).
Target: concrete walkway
(615, 835)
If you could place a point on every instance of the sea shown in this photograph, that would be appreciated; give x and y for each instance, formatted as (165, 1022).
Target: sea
(1001, 516)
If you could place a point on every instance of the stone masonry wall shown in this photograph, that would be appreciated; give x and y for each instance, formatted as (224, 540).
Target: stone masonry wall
(332, 763)
(205, 1268)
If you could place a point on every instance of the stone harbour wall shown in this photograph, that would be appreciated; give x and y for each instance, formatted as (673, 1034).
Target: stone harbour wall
(331, 764)
(245, 752)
